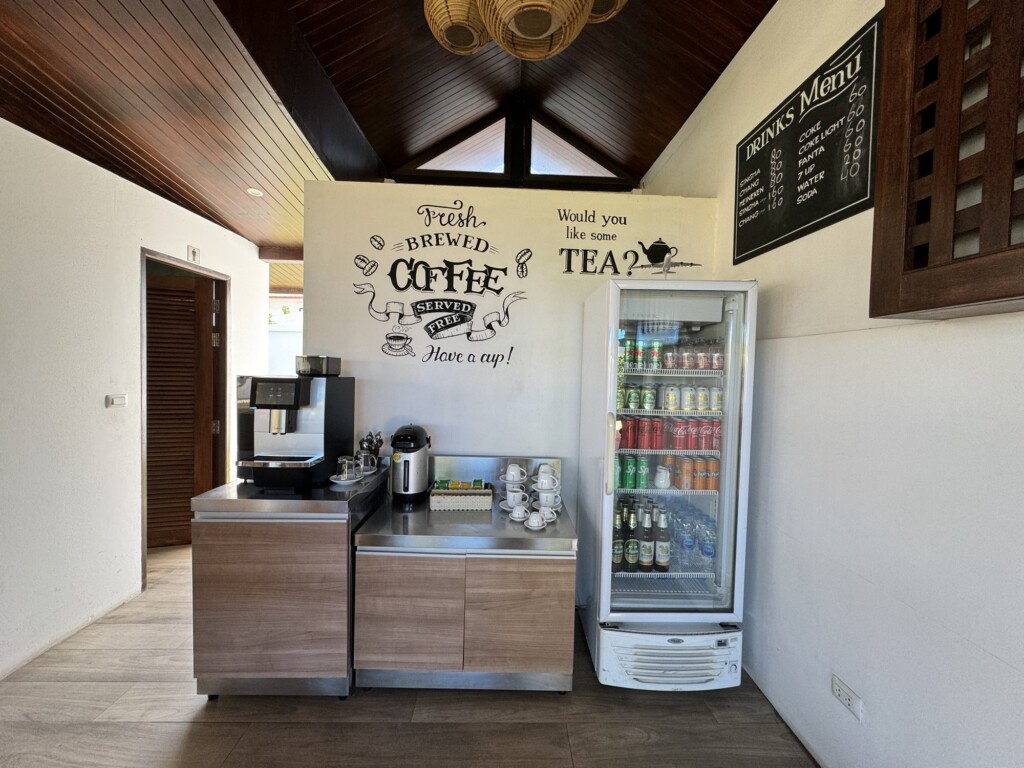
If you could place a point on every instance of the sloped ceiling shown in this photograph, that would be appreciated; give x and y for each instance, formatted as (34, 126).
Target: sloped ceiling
(200, 100)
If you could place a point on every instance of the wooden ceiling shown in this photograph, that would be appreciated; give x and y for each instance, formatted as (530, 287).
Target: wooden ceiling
(199, 100)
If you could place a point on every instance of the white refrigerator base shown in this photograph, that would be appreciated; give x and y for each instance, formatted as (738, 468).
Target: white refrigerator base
(660, 661)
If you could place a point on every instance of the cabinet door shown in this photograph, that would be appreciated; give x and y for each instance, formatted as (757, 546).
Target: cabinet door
(519, 613)
(270, 599)
(409, 611)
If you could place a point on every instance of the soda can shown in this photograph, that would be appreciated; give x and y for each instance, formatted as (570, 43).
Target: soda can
(668, 357)
(689, 398)
(667, 428)
(643, 472)
(672, 397)
(654, 355)
(620, 397)
(630, 345)
(703, 399)
(641, 354)
(648, 397)
(716, 434)
(628, 440)
(643, 434)
(618, 471)
(632, 397)
(692, 434)
(716, 398)
(679, 428)
(685, 482)
(714, 474)
(704, 435)
(657, 430)
(700, 474)
(629, 472)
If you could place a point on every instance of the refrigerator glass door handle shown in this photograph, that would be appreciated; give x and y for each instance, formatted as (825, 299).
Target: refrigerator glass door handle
(609, 467)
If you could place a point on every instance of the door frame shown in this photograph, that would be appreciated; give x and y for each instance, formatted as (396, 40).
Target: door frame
(221, 370)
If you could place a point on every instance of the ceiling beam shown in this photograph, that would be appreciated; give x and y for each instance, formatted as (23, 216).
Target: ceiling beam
(287, 62)
(280, 253)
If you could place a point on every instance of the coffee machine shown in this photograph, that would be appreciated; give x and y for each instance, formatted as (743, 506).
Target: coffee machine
(299, 426)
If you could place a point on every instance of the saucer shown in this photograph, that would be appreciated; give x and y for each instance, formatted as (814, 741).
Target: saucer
(504, 506)
(555, 507)
(505, 479)
(334, 479)
(537, 489)
(535, 527)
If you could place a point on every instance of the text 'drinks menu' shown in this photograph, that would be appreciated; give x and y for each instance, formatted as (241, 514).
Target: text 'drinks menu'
(810, 163)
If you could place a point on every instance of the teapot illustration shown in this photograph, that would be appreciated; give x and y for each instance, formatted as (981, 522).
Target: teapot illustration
(658, 250)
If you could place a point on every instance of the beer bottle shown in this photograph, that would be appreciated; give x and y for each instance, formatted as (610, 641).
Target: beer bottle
(646, 562)
(631, 549)
(662, 544)
(618, 541)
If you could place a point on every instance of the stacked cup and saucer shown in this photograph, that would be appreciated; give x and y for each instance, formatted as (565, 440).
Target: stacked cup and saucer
(517, 499)
(547, 486)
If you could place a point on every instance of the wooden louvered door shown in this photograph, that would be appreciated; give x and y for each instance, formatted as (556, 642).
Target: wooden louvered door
(180, 407)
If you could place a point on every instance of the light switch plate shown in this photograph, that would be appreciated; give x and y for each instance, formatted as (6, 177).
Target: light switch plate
(117, 401)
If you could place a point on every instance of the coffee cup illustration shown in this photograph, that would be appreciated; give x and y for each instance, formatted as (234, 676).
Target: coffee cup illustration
(397, 343)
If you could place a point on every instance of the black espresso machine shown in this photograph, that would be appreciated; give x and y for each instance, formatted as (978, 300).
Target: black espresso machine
(292, 429)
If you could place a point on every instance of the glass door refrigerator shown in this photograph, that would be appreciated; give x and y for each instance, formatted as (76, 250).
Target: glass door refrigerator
(664, 441)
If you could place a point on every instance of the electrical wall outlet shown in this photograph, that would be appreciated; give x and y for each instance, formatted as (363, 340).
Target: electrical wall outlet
(193, 254)
(847, 697)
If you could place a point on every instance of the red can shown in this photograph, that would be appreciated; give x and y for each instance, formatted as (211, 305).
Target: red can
(692, 434)
(716, 434)
(628, 433)
(667, 429)
(679, 429)
(705, 435)
(643, 434)
(657, 428)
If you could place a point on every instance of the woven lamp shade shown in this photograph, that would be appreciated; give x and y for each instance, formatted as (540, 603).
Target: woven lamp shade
(456, 24)
(605, 9)
(535, 29)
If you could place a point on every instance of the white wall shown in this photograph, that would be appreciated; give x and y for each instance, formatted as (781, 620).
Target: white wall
(70, 471)
(885, 515)
(527, 403)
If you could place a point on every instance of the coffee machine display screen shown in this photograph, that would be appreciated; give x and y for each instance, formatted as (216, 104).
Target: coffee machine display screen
(278, 393)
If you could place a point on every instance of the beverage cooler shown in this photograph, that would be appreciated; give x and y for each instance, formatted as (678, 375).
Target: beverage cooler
(664, 441)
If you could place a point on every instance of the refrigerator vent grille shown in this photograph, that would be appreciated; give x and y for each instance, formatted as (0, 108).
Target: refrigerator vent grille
(662, 665)
(658, 584)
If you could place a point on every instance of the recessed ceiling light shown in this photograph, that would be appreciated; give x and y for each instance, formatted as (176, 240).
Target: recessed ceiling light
(255, 192)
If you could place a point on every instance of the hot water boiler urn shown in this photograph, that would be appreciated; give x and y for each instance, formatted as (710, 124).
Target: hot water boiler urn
(410, 464)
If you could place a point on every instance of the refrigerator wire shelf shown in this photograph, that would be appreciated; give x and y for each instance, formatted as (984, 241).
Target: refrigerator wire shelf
(665, 491)
(664, 452)
(700, 372)
(679, 414)
(669, 584)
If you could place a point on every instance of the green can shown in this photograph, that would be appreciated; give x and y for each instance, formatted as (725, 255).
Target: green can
(618, 471)
(632, 395)
(641, 354)
(654, 355)
(629, 472)
(643, 472)
(630, 349)
(620, 397)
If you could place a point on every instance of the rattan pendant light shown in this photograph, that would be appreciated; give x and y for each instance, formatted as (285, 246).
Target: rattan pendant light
(605, 9)
(456, 24)
(535, 29)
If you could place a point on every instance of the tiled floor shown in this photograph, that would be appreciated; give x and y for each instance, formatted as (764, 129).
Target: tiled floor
(120, 693)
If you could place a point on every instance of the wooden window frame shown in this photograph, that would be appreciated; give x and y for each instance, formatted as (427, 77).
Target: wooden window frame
(993, 280)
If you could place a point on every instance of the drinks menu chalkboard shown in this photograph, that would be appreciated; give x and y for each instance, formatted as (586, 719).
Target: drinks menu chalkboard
(810, 163)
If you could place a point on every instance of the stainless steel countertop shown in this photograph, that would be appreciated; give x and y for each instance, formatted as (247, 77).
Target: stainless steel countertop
(244, 500)
(398, 525)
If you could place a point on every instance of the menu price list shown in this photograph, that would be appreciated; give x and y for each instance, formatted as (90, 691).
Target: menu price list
(810, 162)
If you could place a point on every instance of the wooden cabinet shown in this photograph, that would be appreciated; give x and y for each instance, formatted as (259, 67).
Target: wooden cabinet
(270, 599)
(519, 614)
(410, 611)
(475, 613)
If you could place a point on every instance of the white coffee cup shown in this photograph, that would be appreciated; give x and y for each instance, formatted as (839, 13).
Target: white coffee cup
(547, 483)
(519, 512)
(545, 469)
(517, 497)
(536, 519)
(549, 514)
(511, 487)
(514, 473)
(549, 498)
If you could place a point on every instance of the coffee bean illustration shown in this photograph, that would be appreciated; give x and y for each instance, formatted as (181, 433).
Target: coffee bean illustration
(521, 258)
(377, 242)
